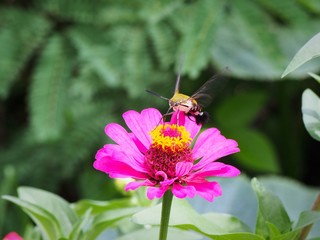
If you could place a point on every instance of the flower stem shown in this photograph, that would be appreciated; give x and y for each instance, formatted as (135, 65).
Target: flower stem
(305, 231)
(165, 214)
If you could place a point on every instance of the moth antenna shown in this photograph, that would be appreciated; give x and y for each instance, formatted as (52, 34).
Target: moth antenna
(157, 94)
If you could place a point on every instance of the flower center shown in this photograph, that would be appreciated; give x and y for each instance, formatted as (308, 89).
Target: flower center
(170, 145)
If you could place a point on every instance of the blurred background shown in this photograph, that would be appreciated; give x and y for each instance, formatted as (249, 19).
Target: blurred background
(67, 68)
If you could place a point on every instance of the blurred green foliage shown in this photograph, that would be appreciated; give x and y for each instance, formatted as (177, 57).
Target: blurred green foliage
(264, 214)
(69, 67)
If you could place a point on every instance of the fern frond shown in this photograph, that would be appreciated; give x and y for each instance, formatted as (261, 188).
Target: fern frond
(119, 57)
(312, 5)
(153, 12)
(96, 54)
(257, 26)
(163, 38)
(95, 12)
(137, 62)
(239, 49)
(78, 10)
(48, 93)
(117, 13)
(83, 139)
(286, 10)
(21, 32)
(198, 35)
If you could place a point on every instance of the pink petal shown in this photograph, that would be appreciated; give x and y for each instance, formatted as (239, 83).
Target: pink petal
(192, 127)
(142, 124)
(215, 169)
(168, 182)
(120, 136)
(206, 140)
(178, 118)
(184, 120)
(137, 184)
(107, 150)
(207, 190)
(217, 151)
(117, 169)
(12, 236)
(183, 168)
(152, 117)
(161, 174)
(183, 191)
(165, 180)
(136, 162)
(102, 153)
(156, 192)
(118, 164)
(139, 145)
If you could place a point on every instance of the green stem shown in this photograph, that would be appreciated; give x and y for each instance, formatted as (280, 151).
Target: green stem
(165, 215)
(305, 231)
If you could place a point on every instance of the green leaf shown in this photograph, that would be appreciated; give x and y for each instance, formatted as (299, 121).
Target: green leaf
(309, 51)
(233, 190)
(275, 234)
(238, 236)
(184, 217)
(181, 215)
(47, 223)
(107, 219)
(311, 113)
(97, 207)
(306, 218)
(238, 199)
(227, 221)
(234, 116)
(270, 210)
(257, 152)
(240, 51)
(7, 186)
(295, 196)
(32, 233)
(80, 226)
(293, 235)
(273, 230)
(153, 233)
(241, 109)
(174, 233)
(312, 5)
(315, 76)
(55, 205)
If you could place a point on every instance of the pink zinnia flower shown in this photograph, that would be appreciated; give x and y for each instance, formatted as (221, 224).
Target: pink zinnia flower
(165, 156)
(12, 236)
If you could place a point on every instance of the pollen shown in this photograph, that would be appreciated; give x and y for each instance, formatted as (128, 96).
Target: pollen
(171, 136)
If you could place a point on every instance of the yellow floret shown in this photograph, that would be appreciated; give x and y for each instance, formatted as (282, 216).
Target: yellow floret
(172, 136)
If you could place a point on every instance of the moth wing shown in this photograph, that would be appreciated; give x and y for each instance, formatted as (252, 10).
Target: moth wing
(204, 95)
